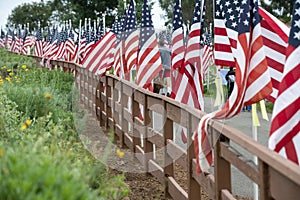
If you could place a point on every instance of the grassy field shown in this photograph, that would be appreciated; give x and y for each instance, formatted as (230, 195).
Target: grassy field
(41, 154)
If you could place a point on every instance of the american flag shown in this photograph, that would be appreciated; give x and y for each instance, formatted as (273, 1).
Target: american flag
(118, 51)
(100, 58)
(207, 54)
(149, 62)
(188, 87)
(285, 127)
(9, 35)
(225, 29)
(52, 47)
(253, 82)
(275, 37)
(70, 46)
(131, 41)
(81, 47)
(61, 44)
(178, 47)
(29, 41)
(38, 48)
(2, 39)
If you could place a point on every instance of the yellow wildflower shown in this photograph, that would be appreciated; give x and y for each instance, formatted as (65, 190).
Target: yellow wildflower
(24, 67)
(23, 127)
(48, 95)
(1, 152)
(8, 79)
(3, 67)
(26, 70)
(8, 70)
(28, 122)
(11, 74)
(120, 153)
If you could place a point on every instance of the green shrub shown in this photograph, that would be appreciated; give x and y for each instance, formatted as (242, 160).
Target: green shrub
(41, 154)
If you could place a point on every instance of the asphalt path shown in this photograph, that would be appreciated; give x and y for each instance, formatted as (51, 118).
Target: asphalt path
(241, 185)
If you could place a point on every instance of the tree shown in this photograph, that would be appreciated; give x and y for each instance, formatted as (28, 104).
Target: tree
(282, 9)
(187, 10)
(138, 8)
(30, 13)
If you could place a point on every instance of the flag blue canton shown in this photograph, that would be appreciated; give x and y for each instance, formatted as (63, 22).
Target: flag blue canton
(177, 22)
(39, 35)
(294, 38)
(130, 20)
(244, 24)
(147, 29)
(71, 34)
(208, 40)
(230, 11)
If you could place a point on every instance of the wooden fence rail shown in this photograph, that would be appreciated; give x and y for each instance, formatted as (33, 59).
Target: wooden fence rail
(119, 104)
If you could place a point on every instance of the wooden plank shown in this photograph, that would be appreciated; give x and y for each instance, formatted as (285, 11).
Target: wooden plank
(139, 97)
(110, 81)
(207, 181)
(118, 130)
(155, 104)
(118, 107)
(226, 195)
(139, 127)
(86, 86)
(155, 137)
(177, 153)
(268, 156)
(177, 115)
(175, 190)
(281, 187)
(222, 170)
(90, 88)
(235, 160)
(103, 97)
(127, 90)
(111, 123)
(128, 141)
(127, 115)
(156, 171)
(264, 186)
(109, 102)
(140, 155)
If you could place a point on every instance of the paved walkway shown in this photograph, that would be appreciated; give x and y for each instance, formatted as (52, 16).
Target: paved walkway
(243, 122)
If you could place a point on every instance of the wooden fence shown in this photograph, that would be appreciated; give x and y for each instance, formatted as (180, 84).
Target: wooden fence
(108, 98)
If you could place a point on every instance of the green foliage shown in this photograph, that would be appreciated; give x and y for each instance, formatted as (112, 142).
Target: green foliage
(31, 13)
(187, 11)
(281, 9)
(42, 157)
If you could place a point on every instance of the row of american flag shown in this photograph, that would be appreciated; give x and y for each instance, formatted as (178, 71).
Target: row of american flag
(264, 51)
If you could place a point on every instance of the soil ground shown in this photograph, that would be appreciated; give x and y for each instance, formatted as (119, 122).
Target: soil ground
(141, 184)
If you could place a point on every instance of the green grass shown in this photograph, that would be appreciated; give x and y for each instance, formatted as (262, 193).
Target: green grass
(41, 154)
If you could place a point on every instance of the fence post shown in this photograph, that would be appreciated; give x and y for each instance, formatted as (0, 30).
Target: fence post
(168, 161)
(103, 102)
(148, 146)
(135, 113)
(194, 189)
(222, 167)
(264, 187)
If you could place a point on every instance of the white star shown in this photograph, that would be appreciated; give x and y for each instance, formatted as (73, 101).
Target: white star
(217, 13)
(227, 3)
(246, 23)
(297, 11)
(297, 23)
(234, 24)
(229, 10)
(297, 35)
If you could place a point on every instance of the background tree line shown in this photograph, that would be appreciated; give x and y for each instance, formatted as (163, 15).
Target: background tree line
(59, 11)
